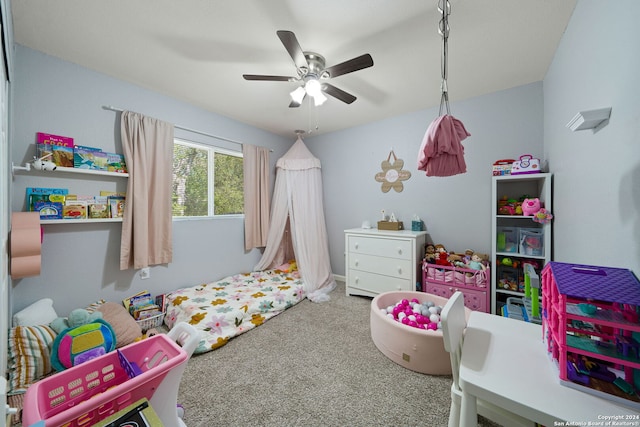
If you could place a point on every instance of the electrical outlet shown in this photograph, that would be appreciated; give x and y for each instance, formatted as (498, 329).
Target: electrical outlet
(145, 273)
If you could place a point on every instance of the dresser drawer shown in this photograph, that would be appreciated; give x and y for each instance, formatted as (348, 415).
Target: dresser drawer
(393, 267)
(391, 248)
(373, 284)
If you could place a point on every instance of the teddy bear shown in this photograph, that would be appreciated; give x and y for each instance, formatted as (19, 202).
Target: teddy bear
(77, 317)
(530, 206)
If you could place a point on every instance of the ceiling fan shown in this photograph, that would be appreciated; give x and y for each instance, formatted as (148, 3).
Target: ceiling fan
(313, 74)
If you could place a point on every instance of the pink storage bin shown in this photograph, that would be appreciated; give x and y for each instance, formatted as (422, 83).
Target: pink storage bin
(92, 391)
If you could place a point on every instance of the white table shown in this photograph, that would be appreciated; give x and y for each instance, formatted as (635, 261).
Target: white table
(498, 350)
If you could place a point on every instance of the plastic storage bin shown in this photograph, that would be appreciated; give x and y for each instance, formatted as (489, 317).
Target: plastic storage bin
(507, 239)
(92, 391)
(531, 241)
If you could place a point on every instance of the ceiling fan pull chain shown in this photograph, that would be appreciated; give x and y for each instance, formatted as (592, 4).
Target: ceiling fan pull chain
(444, 7)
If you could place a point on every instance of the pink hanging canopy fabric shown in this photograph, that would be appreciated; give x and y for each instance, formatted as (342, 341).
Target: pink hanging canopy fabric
(441, 152)
(297, 222)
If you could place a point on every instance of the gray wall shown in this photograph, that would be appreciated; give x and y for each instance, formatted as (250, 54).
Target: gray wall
(596, 175)
(80, 261)
(456, 210)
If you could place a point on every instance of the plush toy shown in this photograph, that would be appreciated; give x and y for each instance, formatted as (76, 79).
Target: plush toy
(530, 206)
(542, 216)
(77, 317)
(441, 255)
(430, 254)
(476, 263)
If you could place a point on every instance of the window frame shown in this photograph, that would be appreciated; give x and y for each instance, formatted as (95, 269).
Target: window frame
(211, 151)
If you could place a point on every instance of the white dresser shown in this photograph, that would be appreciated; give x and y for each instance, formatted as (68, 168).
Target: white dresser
(379, 260)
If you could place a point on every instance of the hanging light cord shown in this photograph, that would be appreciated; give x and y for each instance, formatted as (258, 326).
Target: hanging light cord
(444, 7)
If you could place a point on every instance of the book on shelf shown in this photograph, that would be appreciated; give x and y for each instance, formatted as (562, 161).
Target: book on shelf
(116, 206)
(60, 148)
(41, 194)
(94, 158)
(48, 210)
(74, 209)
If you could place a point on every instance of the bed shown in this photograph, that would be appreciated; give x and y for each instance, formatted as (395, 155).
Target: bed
(233, 305)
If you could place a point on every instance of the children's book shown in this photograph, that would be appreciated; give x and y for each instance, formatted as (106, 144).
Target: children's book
(41, 194)
(61, 148)
(140, 414)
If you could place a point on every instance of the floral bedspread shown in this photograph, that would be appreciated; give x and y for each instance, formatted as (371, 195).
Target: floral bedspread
(231, 306)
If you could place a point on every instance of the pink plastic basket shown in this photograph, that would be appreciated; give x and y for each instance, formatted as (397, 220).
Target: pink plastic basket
(92, 391)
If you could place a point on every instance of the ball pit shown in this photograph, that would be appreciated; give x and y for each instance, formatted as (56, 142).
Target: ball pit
(415, 347)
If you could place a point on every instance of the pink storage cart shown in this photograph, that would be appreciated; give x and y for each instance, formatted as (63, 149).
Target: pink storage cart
(591, 328)
(92, 391)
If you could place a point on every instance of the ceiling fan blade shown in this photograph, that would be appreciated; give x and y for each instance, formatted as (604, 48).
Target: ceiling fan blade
(355, 64)
(269, 78)
(290, 43)
(338, 93)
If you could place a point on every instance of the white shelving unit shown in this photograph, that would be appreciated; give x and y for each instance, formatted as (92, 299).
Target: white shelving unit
(64, 170)
(514, 186)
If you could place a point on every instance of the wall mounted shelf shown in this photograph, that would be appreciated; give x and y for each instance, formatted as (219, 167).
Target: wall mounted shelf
(61, 169)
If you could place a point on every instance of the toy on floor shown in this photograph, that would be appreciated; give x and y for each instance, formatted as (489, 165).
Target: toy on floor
(77, 317)
(412, 313)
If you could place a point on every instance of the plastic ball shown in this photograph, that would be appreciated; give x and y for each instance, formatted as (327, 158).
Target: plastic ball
(412, 324)
(411, 317)
(434, 318)
(433, 310)
(432, 326)
(405, 302)
(405, 321)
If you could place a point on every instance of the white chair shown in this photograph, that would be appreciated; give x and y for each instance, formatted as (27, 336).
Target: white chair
(453, 324)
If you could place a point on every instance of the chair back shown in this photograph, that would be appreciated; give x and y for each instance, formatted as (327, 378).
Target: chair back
(454, 322)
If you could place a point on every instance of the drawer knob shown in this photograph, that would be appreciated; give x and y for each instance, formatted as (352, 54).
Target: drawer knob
(399, 251)
(399, 270)
(356, 262)
(356, 245)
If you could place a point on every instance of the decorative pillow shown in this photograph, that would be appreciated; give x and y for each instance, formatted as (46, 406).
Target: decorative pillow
(125, 327)
(40, 312)
(29, 355)
(74, 346)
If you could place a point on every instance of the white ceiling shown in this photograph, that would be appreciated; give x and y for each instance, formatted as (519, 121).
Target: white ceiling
(197, 50)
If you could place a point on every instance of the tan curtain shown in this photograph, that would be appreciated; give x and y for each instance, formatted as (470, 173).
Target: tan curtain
(146, 227)
(256, 195)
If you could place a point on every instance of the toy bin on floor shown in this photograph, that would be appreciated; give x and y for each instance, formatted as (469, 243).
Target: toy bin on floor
(417, 349)
(92, 391)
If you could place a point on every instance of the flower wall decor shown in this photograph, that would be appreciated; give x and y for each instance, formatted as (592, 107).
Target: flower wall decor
(392, 174)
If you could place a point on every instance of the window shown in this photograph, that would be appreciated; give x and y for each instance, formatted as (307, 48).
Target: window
(207, 181)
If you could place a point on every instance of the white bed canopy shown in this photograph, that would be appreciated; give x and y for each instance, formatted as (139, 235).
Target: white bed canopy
(298, 228)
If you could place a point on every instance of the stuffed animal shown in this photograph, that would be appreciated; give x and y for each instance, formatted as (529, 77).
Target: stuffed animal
(542, 216)
(476, 263)
(530, 206)
(441, 255)
(430, 254)
(77, 317)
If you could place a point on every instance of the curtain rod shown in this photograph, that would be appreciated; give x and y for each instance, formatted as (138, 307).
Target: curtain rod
(120, 110)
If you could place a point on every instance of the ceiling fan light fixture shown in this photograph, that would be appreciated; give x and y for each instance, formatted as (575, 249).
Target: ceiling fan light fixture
(319, 99)
(312, 86)
(298, 94)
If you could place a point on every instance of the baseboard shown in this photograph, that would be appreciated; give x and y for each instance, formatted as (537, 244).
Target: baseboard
(339, 278)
